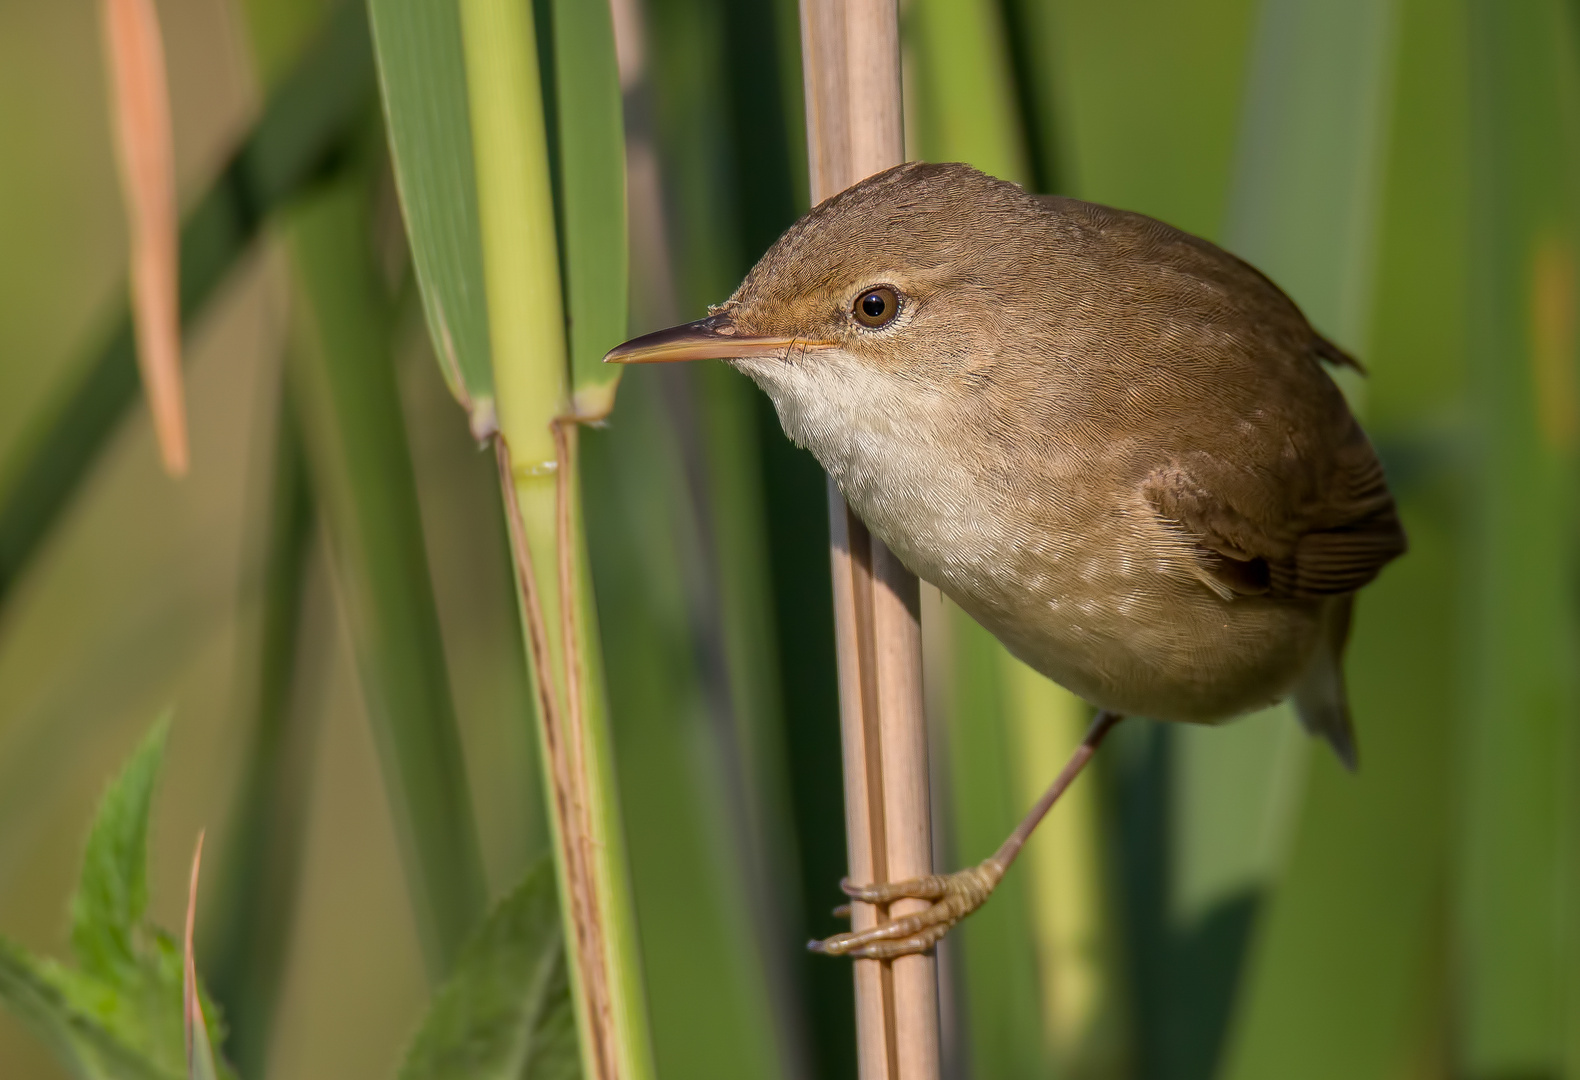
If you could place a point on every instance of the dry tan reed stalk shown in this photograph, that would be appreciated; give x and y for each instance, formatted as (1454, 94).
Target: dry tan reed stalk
(851, 56)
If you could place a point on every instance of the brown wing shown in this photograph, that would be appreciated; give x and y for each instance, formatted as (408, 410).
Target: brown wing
(1298, 506)
(1320, 521)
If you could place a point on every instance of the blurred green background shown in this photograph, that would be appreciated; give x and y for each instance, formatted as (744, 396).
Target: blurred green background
(1212, 903)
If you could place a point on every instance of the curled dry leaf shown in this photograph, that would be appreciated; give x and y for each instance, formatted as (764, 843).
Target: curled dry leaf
(140, 111)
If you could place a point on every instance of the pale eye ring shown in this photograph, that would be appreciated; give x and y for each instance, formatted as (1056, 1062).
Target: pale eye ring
(876, 307)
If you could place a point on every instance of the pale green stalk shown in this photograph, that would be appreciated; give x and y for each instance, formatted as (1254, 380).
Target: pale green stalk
(538, 464)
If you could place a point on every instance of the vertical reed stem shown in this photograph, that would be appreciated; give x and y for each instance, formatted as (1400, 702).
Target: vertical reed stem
(851, 52)
(536, 453)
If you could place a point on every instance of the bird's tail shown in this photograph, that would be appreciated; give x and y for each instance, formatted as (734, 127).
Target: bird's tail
(1320, 699)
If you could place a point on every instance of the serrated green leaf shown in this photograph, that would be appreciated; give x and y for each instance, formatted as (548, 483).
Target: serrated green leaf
(112, 893)
(119, 1016)
(505, 1013)
(140, 1006)
(40, 994)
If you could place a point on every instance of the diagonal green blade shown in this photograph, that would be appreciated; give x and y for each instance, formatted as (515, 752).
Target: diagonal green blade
(342, 379)
(306, 121)
(423, 76)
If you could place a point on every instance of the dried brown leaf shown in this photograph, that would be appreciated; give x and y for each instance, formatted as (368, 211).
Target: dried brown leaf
(140, 110)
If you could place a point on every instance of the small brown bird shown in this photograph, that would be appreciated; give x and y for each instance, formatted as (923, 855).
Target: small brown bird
(1112, 443)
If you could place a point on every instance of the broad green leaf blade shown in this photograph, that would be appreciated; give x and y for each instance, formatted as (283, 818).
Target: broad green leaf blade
(343, 380)
(112, 893)
(505, 1012)
(34, 994)
(588, 146)
(705, 942)
(1135, 104)
(1074, 929)
(1360, 888)
(305, 123)
(422, 71)
(1303, 207)
(733, 637)
(677, 524)
(1515, 894)
(1033, 60)
(966, 102)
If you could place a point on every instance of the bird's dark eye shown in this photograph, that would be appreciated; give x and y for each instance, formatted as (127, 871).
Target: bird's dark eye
(877, 307)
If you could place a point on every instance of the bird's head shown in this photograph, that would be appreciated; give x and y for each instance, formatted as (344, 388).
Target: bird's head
(910, 274)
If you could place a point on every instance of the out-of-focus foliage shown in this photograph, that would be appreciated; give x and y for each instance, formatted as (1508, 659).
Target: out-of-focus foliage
(123, 1012)
(1211, 903)
(119, 1012)
(304, 128)
(342, 380)
(505, 1013)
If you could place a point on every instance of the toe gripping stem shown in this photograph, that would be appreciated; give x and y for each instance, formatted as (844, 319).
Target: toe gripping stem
(953, 896)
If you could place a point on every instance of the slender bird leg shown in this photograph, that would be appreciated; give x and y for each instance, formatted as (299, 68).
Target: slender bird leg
(954, 895)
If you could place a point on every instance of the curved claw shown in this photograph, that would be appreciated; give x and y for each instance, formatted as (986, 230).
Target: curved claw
(888, 950)
(932, 887)
(954, 897)
(840, 944)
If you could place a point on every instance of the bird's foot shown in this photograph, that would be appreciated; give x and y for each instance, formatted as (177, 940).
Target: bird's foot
(953, 896)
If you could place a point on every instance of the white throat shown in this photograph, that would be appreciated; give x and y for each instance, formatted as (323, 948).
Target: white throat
(886, 441)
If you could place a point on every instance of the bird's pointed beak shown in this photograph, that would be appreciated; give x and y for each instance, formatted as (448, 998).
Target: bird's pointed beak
(713, 338)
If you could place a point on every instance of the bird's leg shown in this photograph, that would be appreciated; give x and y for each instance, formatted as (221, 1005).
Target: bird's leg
(956, 895)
